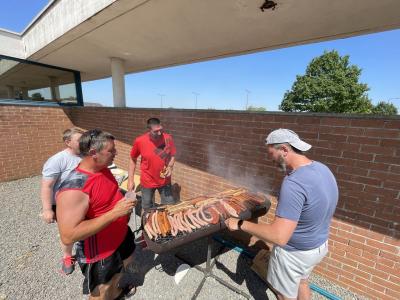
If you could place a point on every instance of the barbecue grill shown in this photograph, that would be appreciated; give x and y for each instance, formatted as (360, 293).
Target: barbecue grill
(167, 243)
(162, 244)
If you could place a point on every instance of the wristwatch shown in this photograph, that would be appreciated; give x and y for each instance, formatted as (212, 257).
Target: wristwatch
(240, 223)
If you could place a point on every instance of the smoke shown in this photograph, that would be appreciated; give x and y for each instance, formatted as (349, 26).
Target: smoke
(248, 175)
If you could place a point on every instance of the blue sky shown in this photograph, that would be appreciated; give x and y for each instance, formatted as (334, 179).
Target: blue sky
(222, 83)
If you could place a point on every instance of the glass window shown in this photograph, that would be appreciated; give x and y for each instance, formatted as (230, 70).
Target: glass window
(23, 80)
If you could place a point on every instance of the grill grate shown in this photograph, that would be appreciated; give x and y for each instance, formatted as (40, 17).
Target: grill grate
(169, 237)
(257, 207)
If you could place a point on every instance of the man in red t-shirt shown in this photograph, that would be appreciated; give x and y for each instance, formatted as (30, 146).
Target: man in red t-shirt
(92, 210)
(157, 151)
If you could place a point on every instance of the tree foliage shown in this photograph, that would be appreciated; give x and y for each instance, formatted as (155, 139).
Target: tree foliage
(37, 96)
(385, 108)
(255, 108)
(330, 84)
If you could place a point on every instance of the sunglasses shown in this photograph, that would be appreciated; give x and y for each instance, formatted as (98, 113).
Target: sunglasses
(94, 133)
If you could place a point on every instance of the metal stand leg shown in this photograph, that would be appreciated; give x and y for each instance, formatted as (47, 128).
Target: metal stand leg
(207, 271)
(137, 229)
(134, 219)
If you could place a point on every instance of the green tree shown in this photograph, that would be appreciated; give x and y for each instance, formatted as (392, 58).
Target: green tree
(330, 84)
(255, 108)
(37, 96)
(385, 108)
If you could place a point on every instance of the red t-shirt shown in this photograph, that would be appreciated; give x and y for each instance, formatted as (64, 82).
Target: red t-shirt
(155, 156)
(104, 193)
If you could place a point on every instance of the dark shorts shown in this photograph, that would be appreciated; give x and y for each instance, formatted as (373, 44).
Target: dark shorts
(102, 271)
(165, 194)
(54, 209)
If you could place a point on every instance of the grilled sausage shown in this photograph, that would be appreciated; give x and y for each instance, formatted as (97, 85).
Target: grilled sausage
(230, 209)
(178, 222)
(239, 203)
(161, 223)
(238, 209)
(256, 201)
(198, 199)
(154, 224)
(192, 217)
(221, 210)
(183, 222)
(167, 225)
(206, 214)
(174, 230)
(158, 222)
(200, 216)
(150, 231)
(187, 220)
(147, 227)
(214, 215)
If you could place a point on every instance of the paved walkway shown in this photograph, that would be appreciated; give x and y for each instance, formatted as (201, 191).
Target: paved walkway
(30, 255)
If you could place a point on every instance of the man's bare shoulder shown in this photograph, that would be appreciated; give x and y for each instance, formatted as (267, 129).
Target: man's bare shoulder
(69, 196)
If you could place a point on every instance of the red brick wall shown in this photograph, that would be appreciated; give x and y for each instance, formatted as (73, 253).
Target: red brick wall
(363, 152)
(216, 148)
(29, 135)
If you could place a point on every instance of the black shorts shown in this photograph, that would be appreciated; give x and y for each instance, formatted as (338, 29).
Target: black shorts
(102, 271)
(54, 209)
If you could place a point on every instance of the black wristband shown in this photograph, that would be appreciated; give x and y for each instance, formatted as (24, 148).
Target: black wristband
(240, 223)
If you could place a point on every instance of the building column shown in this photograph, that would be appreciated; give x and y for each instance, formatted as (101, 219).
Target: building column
(25, 93)
(54, 89)
(118, 82)
(10, 92)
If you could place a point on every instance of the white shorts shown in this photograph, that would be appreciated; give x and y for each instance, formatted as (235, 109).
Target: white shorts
(287, 268)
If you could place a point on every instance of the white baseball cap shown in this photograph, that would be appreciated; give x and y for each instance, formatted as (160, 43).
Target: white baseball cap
(280, 136)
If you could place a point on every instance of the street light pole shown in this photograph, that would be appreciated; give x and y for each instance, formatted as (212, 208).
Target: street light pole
(161, 99)
(247, 98)
(195, 103)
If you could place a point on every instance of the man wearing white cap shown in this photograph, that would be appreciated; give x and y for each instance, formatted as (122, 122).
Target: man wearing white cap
(306, 204)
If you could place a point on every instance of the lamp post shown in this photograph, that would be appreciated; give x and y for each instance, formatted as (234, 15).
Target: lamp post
(195, 101)
(161, 99)
(247, 98)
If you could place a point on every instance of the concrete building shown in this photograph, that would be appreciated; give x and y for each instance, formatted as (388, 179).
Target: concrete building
(111, 38)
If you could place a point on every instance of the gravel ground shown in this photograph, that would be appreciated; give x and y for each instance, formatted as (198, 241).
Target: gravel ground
(30, 258)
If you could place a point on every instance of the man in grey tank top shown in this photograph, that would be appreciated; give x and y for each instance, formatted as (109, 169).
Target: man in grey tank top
(306, 204)
(55, 170)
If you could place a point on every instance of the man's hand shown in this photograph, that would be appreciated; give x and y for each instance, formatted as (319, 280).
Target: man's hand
(48, 216)
(131, 186)
(168, 171)
(253, 240)
(232, 224)
(46, 194)
(123, 207)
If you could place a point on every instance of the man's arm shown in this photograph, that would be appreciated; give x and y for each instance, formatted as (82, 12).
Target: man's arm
(133, 155)
(171, 162)
(170, 167)
(278, 232)
(131, 173)
(46, 194)
(71, 211)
